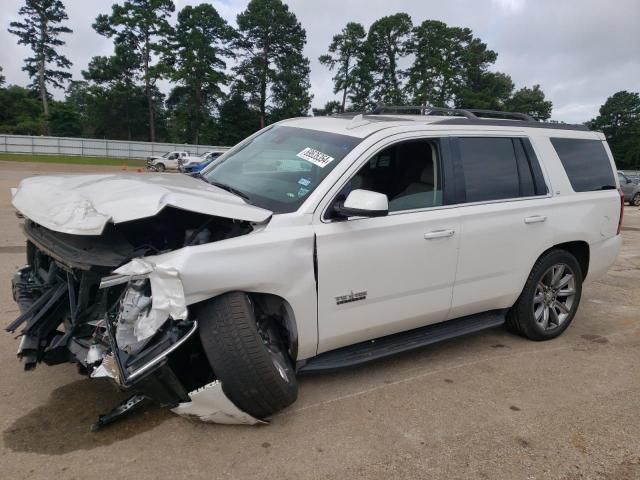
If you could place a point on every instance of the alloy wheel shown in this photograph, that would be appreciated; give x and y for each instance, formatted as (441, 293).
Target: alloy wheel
(554, 296)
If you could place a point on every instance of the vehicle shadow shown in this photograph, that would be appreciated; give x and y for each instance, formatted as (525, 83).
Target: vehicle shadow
(63, 424)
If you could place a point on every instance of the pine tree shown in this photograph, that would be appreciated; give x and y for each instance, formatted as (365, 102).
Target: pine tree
(387, 39)
(344, 51)
(272, 66)
(40, 30)
(141, 25)
(196, 53)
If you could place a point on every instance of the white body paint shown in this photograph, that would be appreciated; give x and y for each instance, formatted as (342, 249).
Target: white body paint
(411, 278)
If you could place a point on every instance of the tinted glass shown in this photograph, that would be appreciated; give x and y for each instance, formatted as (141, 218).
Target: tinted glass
(527, 185)
(280, 167)
(408, 173)
(490, 169)
(586, 163)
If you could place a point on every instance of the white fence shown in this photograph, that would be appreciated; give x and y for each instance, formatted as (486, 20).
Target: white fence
(92, 147)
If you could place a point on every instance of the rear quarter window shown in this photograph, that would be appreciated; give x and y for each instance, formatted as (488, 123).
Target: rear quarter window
(586, 163)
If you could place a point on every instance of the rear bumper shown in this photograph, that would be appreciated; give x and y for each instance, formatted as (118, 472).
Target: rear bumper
(602, 256)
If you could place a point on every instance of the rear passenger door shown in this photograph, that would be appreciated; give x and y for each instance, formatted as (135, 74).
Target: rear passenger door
(504, 204)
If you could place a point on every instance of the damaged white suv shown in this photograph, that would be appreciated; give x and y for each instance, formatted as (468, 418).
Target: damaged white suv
(305, 243)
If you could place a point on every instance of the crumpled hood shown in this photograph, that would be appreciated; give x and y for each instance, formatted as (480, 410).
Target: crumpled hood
(83, 204)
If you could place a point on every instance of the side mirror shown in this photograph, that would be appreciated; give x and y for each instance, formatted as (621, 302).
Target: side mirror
(363, 203)
(629, 180)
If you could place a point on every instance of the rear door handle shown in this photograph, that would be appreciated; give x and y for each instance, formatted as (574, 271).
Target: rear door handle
(535, 219)
(439, 234)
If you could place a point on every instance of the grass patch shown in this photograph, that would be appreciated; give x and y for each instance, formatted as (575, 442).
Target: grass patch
(70, 159)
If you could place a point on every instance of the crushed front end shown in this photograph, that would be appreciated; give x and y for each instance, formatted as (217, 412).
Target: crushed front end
(94, 301)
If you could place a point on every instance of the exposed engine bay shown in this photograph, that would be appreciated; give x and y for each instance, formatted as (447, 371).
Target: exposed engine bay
(73, 307)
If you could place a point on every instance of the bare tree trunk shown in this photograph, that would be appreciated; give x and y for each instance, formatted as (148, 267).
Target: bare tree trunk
(147, 91)
(41, 78)
(346, 85)
(263, 84)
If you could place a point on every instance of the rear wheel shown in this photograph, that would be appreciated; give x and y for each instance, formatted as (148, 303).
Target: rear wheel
(635, 201)
(248, 355)
(550, 298)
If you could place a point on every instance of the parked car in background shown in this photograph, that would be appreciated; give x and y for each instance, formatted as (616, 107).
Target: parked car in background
(196, 168)
(168, 161)
(186, 163)
(633, 175)
(630, 189)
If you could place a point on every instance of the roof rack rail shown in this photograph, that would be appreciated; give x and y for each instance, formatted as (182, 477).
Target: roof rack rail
(470, 113)
(516, 115)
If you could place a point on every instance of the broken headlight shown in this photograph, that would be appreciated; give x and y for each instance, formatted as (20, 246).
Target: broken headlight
(137, 320)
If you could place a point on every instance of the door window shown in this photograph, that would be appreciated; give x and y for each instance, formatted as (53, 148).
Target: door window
(499, 168)
(408, 173)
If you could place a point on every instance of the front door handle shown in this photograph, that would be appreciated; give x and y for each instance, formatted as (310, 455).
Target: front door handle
(535, 219)
(439, 234)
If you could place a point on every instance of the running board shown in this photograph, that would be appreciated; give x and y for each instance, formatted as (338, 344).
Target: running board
(370, 350)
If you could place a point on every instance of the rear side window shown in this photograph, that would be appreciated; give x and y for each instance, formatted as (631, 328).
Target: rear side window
(586, 163)
(499, 168)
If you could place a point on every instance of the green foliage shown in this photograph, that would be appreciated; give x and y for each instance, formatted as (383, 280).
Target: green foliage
(619, 120)
(64, 120)
(195, 58)
(40, 30)
(345, 51)
(531, 101)
(139, 28)
(237, 120)
(330, 108)
(387, 41)
(441, 62)
(487, 90)
(272, 65)
(21, 112)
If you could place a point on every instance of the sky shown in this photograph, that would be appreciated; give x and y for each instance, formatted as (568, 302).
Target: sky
(579, 51)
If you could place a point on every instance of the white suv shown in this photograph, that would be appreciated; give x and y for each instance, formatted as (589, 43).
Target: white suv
(305, 243)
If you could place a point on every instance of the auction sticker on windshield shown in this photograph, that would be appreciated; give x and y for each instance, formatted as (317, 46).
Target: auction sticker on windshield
(319, 159)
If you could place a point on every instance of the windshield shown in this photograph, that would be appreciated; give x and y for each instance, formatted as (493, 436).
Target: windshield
(281, 166)
(166, 155)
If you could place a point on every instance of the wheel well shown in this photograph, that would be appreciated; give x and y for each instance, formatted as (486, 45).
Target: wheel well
(578, 249)
(278, 307)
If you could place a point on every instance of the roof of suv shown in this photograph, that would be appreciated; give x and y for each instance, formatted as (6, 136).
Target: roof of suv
(363, 125)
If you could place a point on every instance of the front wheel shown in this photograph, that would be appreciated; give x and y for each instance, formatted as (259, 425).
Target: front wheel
(550, 297)
(160, 167)
(247, 354)
(635, 201)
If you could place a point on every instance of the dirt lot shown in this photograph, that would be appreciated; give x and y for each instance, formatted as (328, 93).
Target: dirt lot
(491, 405)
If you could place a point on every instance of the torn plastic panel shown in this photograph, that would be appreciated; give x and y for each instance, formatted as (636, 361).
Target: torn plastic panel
(210, 404)
(152, 296)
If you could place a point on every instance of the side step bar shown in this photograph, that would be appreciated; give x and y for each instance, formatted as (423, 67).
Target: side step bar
(370, 350)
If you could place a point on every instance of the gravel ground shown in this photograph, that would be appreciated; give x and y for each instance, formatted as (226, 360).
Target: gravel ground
(490, 405)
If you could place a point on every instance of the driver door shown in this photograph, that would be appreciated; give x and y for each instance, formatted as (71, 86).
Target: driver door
(379, 276)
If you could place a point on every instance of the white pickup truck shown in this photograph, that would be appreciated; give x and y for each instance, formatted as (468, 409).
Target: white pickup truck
(168, 161)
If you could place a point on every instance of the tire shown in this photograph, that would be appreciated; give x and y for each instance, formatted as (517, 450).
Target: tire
(527, 316)
(635, 201)
(255, 373)
(160, 167)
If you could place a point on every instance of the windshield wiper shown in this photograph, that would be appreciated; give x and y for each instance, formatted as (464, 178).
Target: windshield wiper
(230, 189)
